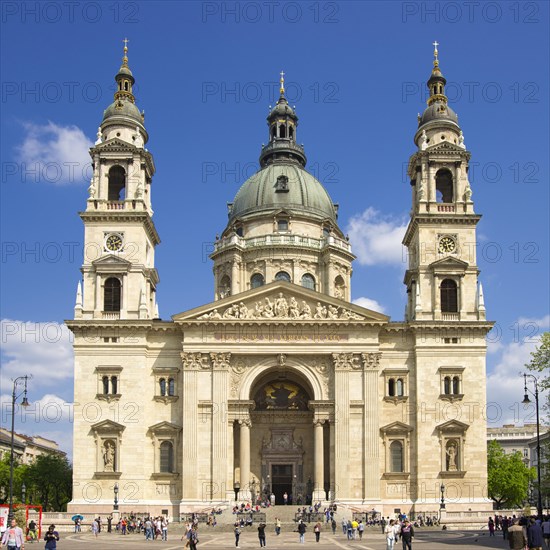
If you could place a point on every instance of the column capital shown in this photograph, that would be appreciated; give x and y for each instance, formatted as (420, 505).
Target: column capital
(319, 422)
(346, 361)
(371, 360)
(221, 361)
(245, 422)
(195, 361)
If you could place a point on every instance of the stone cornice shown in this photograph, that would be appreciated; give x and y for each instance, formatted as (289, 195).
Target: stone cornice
(118, 216)
(437, 218)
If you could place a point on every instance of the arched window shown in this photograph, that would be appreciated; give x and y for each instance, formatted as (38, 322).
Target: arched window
(282, 276)
(225, 287)
(449, 296)
(456, 385)
(274, 131)
(256, 280)
(171, 387)
(444, 186)
(290, 132)
(308, 281)
(125, 85)
(391, 387)
(396, 456)
(282, 225)
(399, 387)
(339, 288)
(114, 385)
(282, 131)
(105, 382)
(166, 457)
(162, 386)
(111, 295)
(447, 385)
(117, 183)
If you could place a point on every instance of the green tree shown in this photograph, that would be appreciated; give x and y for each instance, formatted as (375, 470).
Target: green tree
(50, 481)
(507, 476)
(540, 362)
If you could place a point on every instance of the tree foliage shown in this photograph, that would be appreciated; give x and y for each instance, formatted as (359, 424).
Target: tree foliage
(540, 362)
(48, 481)
(507, 476)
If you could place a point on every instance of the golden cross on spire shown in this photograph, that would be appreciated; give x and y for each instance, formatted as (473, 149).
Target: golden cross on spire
(126, 43)
(282, 81)
(435, 44)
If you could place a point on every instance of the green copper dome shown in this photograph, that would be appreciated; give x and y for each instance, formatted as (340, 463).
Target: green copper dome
(283, 186)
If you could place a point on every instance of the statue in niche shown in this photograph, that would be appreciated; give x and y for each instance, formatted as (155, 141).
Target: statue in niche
(451, 457)
(109, 456)
(91, 189)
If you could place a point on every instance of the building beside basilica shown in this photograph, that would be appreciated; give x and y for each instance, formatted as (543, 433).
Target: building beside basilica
(281, 383)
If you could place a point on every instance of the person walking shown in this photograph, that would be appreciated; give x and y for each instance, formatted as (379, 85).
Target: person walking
(317, 531)
(193, 538)
(360, 529)
(95, 527)
(491, 525)
(277, 526)
(333, 525)
(261, 534)
(534, 535)
(237, 532)
(546, 531)
(302, 531)
(389, 531)
(51, 537)
(13, 537)
(407, 534)
(517, 538)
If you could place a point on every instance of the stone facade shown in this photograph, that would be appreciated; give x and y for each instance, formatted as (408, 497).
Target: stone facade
(281, 384)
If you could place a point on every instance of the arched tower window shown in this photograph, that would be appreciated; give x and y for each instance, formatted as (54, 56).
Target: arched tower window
(105, 383)
(391, 387)
(166, 457)
(171, 387)
(117, 183)
(456, 385)
(162, 386)
(444, 186)
(291, 132)
(114, 385)
(396, 456)
(339, 288)
(112, 293)
(274, 131)
(308, 281)
(256, 280)
(447, 385)
(399, 387)
(449, 296)
(282, 131)
(282, 276)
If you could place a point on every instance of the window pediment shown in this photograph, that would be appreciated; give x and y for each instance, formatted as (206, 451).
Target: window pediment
(165, 428)
(396, 428)
(108, 427)
(111, 264)
(449, 264)
(452, 426)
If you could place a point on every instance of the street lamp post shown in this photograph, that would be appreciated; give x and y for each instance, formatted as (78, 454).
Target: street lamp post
(442, 503)
(24, 494)
(115, 489)
(526, 401)
(24, 403)
(236, 488)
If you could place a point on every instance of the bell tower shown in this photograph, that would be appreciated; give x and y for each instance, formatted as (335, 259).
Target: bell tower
(119, 275)
(442, 276)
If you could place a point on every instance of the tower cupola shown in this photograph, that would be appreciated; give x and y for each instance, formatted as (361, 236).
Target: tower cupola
(282, 122)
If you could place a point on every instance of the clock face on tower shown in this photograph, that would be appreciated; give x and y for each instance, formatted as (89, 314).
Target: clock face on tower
(446, 245)
(113, 242)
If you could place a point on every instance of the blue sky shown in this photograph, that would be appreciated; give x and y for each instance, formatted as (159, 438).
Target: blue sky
(205, 76)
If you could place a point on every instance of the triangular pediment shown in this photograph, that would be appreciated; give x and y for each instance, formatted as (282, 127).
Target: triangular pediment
(396, 428)
(445, 147)
(108, 426)
(281, 301)
(111, 259)
(452, 426)
(164, 427)
(449, 263)
(114, 144)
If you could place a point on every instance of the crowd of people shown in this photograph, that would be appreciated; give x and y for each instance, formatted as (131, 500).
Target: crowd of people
(524, 532)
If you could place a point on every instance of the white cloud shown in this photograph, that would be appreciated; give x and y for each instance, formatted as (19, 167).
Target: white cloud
(504, 380)
(54, 154)
(43, 350)
(369, 303)
(376, 238)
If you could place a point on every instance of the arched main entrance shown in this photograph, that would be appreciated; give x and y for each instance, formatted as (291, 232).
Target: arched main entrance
(287, 449)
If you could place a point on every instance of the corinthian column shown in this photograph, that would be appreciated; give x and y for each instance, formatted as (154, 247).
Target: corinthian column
(245, 459)
(319, 478)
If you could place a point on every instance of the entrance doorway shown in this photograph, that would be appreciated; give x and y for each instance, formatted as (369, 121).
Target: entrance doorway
(281, 476)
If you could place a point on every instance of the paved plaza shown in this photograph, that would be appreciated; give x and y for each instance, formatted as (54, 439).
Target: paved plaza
(214, 540)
